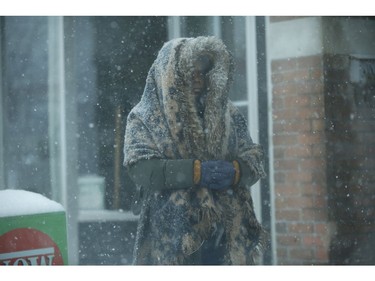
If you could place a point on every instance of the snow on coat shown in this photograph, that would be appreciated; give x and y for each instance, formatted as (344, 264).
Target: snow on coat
(165, 125)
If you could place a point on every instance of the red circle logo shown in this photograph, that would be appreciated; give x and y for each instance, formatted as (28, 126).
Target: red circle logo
(25, 246)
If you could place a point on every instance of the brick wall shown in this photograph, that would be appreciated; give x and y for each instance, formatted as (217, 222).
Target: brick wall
(302, 227)
(323, 109)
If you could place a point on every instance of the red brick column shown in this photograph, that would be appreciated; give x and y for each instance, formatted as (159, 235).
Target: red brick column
(302, 227)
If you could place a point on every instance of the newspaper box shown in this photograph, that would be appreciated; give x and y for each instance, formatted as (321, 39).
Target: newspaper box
(32, 229)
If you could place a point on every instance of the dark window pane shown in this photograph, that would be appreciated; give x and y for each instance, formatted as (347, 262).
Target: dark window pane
(25, 72)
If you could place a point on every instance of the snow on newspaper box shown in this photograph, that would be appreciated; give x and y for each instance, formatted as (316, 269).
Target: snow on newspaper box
(32, 229)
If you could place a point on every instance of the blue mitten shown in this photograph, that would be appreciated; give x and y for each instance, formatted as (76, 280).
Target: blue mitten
(217, 174)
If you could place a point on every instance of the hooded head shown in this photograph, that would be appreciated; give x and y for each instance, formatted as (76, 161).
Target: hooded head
(191, 78)
(182, 57)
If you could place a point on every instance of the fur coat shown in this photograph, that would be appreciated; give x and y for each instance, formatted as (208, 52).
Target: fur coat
(174, 224)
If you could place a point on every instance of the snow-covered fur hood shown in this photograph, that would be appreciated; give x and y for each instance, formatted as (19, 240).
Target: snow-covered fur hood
(168, 95)
(178, 100)
(165, 125)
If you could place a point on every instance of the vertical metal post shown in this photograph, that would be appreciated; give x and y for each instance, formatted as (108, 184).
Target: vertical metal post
(174, 27)
(263, 103)
(270, 147)
(252, 91)
(62, 143)
(56, 109)
(216, 26)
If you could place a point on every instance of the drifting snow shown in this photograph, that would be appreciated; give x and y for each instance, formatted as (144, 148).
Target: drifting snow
(21, 202)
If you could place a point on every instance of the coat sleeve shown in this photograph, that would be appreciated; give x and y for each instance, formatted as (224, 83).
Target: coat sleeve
(161, 174)
(147, 166)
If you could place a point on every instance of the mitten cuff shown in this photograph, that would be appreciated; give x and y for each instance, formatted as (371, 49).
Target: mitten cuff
(237, 176)
(197, 172)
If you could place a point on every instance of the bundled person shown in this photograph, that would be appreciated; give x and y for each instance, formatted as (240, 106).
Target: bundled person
(188, 150)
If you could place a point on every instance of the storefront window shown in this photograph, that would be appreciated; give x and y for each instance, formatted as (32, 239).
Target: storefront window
(25, 103)
(67, 86)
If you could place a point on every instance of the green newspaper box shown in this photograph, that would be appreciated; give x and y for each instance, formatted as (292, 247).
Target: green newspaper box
(32, 229)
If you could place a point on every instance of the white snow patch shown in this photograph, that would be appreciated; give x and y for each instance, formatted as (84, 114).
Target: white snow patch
(15, 202)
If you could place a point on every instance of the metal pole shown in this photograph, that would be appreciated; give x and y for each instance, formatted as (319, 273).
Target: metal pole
(61, 127)
(252, 91)
(270, 147)
(174, 27)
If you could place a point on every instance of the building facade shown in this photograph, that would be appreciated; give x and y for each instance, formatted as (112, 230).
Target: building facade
(322, 75)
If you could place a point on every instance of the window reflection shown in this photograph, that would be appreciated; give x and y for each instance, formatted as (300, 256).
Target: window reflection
(25, 103)
(104, 64)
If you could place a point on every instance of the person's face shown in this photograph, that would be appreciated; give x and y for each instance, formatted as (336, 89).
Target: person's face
(199, 82)
(201, 67)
